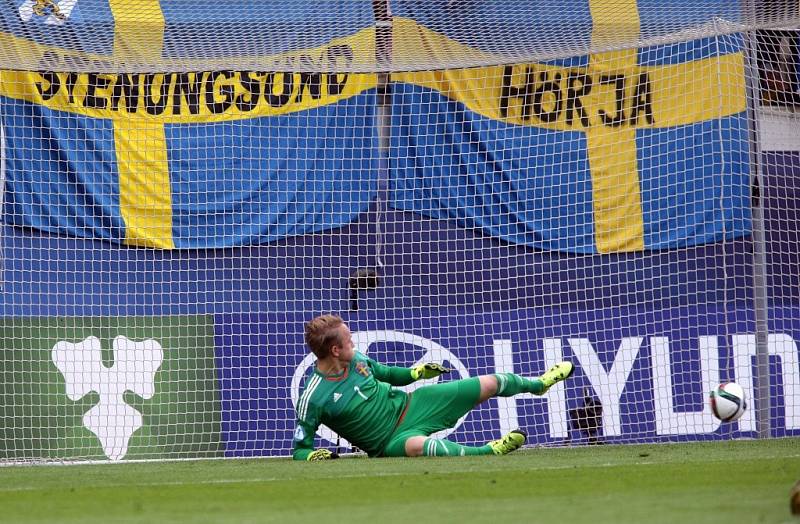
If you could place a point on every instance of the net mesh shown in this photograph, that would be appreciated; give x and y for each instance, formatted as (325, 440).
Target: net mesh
(496, 186)
(128, 36)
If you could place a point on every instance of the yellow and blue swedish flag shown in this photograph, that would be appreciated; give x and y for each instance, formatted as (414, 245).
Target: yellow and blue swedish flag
(623, 151)
(164, 160)
(620, 151)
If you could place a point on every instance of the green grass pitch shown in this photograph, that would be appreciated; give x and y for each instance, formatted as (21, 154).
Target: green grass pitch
(727, 482)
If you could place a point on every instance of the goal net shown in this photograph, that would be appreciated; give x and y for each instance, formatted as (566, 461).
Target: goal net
(494, 185)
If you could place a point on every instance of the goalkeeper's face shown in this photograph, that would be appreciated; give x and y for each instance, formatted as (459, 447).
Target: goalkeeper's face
(346, 348)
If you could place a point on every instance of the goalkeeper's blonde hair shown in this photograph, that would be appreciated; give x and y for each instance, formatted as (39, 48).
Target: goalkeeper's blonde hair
(321, 333)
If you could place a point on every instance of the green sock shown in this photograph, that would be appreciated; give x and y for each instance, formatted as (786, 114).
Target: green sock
(439, 447)
(509, 384)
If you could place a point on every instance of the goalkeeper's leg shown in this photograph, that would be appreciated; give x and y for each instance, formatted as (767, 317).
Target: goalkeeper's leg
(510, 384)
(437, 407)
(439, 447)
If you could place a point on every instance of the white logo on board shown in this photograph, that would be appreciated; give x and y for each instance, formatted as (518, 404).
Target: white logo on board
(134, 369)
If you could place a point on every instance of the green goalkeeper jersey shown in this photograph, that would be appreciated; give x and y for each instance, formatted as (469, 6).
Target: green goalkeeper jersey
(360, 405)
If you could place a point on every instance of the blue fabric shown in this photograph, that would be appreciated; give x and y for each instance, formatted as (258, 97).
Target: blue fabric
(88, 30)
(666, 16)
(314, 170)
(61, 173)
(532, 186)
(455, 164)
(200, 29)
(283, 176)
(506, 26)
(682, 52)
(695, 182)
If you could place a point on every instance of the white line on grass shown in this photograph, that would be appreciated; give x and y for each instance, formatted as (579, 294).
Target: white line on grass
(248, 480)
(256, 480)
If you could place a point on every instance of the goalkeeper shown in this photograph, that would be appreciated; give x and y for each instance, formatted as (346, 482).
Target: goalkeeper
(353, 395)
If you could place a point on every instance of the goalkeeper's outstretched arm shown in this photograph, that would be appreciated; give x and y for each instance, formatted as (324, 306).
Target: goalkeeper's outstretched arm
(397, 376)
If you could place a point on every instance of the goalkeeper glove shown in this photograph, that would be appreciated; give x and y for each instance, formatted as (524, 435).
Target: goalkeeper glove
(429, 370)
(321, 454)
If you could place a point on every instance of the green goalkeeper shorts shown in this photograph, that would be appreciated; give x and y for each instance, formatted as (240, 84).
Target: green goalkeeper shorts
(431, 409)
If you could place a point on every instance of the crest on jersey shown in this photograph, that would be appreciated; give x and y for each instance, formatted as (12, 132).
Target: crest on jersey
(362, 369)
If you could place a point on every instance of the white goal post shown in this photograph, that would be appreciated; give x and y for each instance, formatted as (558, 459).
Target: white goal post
(497, 185)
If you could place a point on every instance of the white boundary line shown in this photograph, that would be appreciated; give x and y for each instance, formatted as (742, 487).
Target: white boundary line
(252, 480)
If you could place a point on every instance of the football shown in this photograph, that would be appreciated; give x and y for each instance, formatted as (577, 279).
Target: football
(728, 402)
